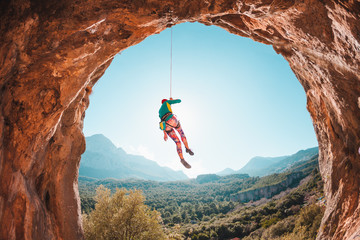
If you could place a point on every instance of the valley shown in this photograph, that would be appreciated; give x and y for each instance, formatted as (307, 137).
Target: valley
(236, 205)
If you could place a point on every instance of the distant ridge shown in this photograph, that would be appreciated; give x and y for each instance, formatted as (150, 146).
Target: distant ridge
(226, 171)
(259, 166)
(262, 166)
(102, 159)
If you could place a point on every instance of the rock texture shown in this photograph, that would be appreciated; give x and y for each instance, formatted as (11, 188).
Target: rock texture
(52, 52)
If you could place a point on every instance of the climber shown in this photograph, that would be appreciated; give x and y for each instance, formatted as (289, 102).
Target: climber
(168, 124)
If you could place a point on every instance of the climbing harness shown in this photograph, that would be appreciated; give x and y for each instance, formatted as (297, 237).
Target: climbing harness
(164, 118)
(163, 122)
(163, 125)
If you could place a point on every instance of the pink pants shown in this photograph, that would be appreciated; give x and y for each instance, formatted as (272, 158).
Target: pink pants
(175, 124)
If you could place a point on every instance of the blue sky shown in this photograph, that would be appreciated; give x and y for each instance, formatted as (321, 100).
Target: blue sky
(239, 100)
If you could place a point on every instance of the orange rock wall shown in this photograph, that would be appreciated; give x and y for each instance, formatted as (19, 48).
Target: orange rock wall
(52, 52)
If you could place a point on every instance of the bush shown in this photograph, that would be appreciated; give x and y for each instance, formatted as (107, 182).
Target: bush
(267, 223)
(307, 224)
(203, 236)
(299, 234)
(280, 228)
(122, 216)
(310, 218)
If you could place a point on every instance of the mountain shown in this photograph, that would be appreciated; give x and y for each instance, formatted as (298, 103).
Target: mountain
(102, 159)
(300, 156)
(226, 171)
(258, 166)
(262, 166)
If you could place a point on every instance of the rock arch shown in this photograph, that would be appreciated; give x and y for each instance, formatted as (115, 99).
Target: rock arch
(52, 52)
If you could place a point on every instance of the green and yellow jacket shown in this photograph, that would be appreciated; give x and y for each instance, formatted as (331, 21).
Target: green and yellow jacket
(165, 109)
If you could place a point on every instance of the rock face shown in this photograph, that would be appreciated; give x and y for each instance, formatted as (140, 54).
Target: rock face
(52, 52)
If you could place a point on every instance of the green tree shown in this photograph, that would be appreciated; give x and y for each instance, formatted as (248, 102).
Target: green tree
(203, 236)
(122, 216)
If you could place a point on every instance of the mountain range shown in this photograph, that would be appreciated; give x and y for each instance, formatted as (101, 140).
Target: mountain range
(262, 166)
(102, 159)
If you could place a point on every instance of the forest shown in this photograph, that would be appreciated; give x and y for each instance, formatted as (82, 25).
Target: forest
(201, 208)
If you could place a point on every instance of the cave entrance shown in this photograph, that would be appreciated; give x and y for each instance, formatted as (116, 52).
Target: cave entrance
(52, 53)
(240, 99)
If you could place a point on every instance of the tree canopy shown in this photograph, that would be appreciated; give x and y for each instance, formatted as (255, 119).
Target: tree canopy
(121, 216)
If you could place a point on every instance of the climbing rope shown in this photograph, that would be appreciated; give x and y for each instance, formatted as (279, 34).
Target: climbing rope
(171, 62)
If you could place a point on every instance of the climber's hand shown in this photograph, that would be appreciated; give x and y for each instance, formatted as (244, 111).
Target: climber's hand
(165, 137)
(171, 98)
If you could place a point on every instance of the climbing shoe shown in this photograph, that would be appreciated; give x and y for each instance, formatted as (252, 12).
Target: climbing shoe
(188, 150)
(185, 163)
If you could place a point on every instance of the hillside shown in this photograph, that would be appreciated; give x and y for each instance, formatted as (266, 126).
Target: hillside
(199, 199)
(102, 159)
(262, 166)
(294, 214)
